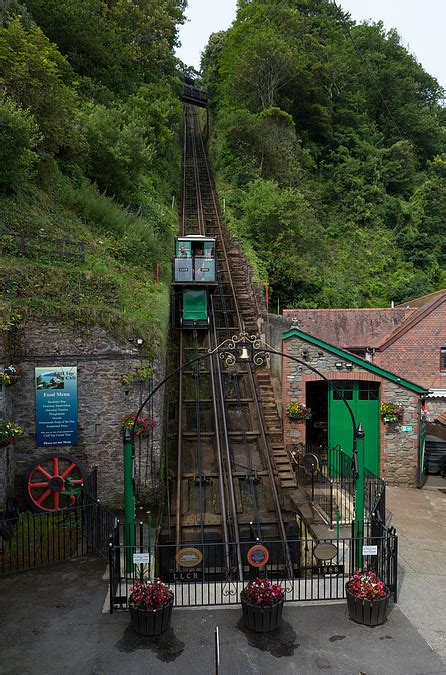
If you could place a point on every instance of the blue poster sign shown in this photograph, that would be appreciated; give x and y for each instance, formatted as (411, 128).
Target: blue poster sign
(56, 406)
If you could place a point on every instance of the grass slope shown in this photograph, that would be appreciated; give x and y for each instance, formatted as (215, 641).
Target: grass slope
(114, 286)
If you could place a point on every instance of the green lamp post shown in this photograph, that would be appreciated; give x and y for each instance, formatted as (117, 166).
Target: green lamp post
(358, 472)
(129, 500)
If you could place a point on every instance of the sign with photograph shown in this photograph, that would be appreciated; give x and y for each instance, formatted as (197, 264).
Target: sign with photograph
(188, 557)
(56, 406)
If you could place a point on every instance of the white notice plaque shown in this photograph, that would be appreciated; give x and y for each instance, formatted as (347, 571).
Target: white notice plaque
(369, 550)
(142, 558)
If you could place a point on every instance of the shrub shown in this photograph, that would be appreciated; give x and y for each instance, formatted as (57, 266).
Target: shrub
(19, 136)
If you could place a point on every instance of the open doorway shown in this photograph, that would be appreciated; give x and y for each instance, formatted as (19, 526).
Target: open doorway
(317, 425)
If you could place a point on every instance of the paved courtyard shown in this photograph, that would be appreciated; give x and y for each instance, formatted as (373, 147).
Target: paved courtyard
(420, 519)
(52, 623)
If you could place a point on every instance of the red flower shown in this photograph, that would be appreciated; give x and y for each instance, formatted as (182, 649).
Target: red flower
(150, 595)
(366, 585)
(262, 592)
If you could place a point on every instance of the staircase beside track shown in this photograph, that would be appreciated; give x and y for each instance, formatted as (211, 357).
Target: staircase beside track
(279, 453)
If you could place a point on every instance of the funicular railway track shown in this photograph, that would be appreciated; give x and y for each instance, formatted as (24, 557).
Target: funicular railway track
(226, 488)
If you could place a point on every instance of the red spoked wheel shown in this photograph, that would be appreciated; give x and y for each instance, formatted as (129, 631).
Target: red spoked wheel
(46, 482)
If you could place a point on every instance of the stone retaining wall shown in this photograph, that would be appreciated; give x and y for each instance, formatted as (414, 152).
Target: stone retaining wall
(103, 402)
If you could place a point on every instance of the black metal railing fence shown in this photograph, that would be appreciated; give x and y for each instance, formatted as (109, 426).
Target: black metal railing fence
(35, 539)
(212, 583)
(330, 485)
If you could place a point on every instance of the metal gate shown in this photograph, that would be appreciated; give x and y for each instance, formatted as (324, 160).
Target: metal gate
(210, 583)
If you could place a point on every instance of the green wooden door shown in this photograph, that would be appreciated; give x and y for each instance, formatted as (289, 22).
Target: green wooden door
(363, 398)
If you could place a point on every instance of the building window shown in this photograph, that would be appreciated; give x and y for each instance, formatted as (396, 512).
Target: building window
(443, 359)
(368, 391)
(346, 389)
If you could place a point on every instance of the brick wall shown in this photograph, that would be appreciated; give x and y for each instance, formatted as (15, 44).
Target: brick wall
(415, 355)
(103, 401)
(398, 450)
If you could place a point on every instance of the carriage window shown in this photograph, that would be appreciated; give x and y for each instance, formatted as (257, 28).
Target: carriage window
(209, 249)
(345, 387)
(183, 249)
(368, 391)
(443, 359)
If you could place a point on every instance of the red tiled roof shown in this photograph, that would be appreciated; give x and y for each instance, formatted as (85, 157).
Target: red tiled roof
(350, 328)
(363, 327)
(424, 300)
(419, 311)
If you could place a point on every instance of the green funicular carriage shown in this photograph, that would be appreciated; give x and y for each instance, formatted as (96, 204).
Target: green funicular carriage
(194, 278)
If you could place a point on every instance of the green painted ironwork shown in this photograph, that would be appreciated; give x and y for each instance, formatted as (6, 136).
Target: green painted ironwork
(129, 500)
(359, 496)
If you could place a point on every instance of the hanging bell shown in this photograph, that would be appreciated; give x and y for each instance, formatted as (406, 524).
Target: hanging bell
(244, 355)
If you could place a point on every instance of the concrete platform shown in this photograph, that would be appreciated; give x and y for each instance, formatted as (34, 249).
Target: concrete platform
(51, 623)
(420, 520)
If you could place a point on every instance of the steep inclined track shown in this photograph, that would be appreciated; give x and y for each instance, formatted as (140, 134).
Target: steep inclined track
(231, 463)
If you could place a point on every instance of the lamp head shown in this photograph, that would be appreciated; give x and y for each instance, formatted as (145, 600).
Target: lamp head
(360, 433)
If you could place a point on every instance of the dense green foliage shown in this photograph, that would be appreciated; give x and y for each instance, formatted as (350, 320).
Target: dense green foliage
(329, 147)
(89, 124)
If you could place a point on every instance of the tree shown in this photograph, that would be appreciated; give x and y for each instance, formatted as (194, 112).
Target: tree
(19, 137)
(38, 78)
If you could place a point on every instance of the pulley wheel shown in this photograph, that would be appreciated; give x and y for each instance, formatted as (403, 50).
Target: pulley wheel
(45, 482)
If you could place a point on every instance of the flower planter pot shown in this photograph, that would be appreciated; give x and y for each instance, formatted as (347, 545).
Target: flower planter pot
(367, 612)
(262, 619)
(151, 622)
(4, 442)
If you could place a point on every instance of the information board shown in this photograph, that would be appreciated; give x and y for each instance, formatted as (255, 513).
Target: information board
(56, 406)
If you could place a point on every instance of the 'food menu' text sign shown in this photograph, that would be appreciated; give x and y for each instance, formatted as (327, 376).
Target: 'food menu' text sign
(56, 406)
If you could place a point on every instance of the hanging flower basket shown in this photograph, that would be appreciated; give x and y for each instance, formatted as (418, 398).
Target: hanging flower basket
(144, 425)
(8, 433)
(11, 375)
(298, 412)
(150, 607)
(367, 599)
(391, 412)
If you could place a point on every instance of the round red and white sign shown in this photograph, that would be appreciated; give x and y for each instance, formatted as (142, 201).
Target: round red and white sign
(258, 556)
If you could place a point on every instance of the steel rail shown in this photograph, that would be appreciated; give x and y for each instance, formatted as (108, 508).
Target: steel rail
(190, 157)
(179, 446)
(243, 429)
(198, 453)
(241, 327)
(227, 445)
(227, 476)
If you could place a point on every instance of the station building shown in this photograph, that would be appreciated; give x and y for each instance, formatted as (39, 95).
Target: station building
(391, 355)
